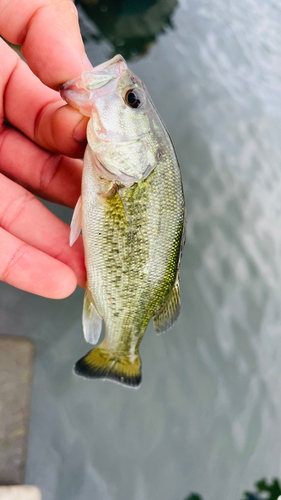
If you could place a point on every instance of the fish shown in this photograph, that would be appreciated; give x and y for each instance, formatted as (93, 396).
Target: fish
(132, 216)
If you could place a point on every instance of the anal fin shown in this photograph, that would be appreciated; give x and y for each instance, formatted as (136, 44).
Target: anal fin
(92, 322)
(166, 315)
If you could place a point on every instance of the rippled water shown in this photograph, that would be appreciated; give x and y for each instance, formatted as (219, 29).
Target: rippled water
(206, 418)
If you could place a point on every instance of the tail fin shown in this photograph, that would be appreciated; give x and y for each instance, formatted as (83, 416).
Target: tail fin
(105, 364)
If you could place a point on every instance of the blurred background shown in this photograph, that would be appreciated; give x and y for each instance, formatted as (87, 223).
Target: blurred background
(205, 423)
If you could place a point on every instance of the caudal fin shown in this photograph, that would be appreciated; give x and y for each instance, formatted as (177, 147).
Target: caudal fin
(105, 364)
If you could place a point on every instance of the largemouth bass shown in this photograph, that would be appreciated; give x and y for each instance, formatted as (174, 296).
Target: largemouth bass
(132, 215)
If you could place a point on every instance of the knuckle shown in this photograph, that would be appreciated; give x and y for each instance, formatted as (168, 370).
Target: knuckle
(48, 172)
(41, 120)
(14, 261)
(15, 209)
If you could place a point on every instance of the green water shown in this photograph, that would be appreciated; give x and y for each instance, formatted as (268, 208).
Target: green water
(206, 419)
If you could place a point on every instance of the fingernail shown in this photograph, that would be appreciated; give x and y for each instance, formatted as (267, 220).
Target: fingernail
(87, 63)
(79, 133)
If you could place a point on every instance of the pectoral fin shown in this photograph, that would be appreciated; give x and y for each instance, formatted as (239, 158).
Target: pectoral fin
(92, 322)
(165, 316)
(75, 226)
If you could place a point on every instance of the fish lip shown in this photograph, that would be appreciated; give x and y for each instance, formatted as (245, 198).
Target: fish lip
(80, 83)
(91, 81)
(78, 88)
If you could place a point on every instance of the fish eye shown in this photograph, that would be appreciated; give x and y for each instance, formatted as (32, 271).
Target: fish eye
(133, 98)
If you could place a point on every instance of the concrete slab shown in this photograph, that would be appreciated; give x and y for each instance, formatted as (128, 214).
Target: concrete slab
(16, 368)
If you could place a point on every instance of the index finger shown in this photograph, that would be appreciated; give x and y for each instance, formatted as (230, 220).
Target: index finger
(49, 34)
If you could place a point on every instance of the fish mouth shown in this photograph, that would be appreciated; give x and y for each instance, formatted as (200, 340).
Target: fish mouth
(81, 91)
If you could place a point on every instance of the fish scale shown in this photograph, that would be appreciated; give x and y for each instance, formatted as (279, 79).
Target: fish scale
(118, 272)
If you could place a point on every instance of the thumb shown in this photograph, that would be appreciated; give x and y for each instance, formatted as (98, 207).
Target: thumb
(49, 33)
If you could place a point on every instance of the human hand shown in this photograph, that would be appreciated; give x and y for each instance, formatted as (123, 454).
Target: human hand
(38, 135)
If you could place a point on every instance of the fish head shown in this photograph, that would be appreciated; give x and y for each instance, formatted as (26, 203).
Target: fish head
(124, 131)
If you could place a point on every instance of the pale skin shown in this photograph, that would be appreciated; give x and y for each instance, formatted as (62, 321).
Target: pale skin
(41, 141)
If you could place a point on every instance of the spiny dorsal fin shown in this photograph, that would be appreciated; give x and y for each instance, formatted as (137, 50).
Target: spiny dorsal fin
(92, 322)
(168, 312)
(105, 364)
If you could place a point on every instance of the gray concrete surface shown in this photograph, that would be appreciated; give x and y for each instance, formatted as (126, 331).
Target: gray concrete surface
(16, 367)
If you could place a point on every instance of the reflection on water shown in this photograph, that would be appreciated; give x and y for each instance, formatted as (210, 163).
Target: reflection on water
(264, 491)
(193, 496)
(206, 418)
(131, 26)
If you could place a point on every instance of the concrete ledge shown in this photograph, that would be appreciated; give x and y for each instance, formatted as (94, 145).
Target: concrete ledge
(16, 367)
(19, 493)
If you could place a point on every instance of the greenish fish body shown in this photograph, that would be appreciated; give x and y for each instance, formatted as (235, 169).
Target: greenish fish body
(132, 215)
